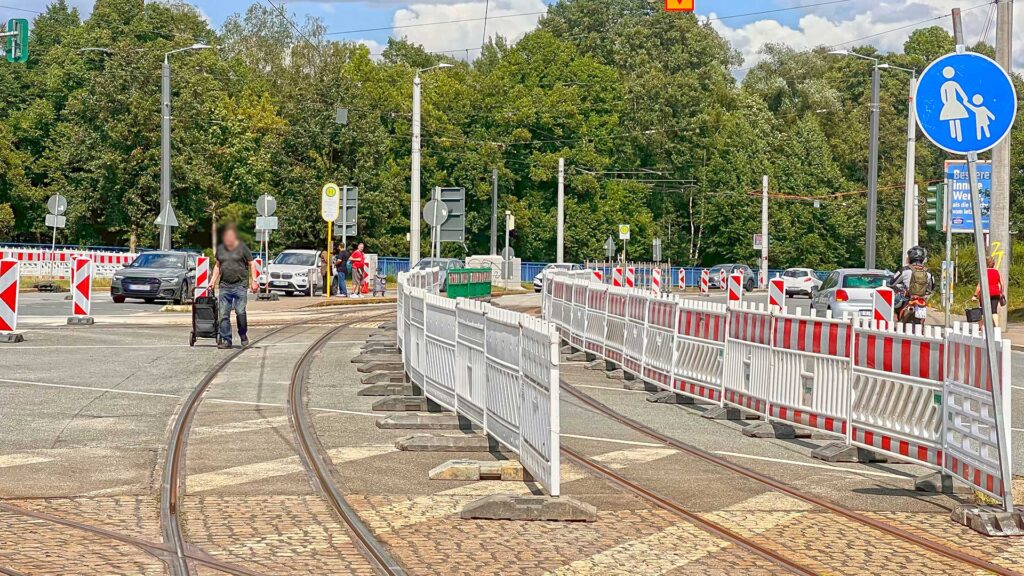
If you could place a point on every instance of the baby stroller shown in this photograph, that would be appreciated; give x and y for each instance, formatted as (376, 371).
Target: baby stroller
(380, 284)
(204, 317)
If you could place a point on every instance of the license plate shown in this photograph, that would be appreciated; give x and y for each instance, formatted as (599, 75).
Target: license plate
(278, 283)
(920, 312)
(138, 287)
(865, 312)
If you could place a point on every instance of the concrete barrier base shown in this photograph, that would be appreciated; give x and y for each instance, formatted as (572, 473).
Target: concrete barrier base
(567, 349)
(617, 374)
(596, 365)
(376, 356)
(632, 384)
(381, 334)
(538, 508)
(389, 325)
(577, 357)
(453, 442)
(939, 483)
(775, 430)
(989, 520)
(81, 321)
(391, 389)
(390, 365)
(384, 376)
(841, 452)
(406, 404)
(369, 346)
(268, 296)
(728, 413)
(475, 470)
(424, 421)
(666, 397)
(11, 338)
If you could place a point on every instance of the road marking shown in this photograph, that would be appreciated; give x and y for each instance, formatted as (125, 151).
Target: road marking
(810, 465)
(164, 346)
(11, 460)
(275, 468)
(611, 388)
(613, 440)
(236, 427)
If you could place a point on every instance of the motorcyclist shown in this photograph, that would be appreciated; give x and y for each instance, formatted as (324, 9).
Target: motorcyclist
(914, 280)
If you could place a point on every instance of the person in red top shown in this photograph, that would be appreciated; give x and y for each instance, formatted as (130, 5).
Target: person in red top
(996, 291)
(358, 262)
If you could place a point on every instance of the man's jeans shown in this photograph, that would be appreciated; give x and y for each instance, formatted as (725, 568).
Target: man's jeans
(338, 284)
(232, 297)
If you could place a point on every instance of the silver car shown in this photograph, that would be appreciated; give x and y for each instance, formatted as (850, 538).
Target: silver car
(156, 276)
(849, 291)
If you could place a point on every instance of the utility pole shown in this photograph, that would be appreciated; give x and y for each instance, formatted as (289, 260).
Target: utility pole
(165, 154)
(910, 221)
(999, 218)
(764, 232)
(870, 245)
(494, 212)
(414, 191)
(560, 256)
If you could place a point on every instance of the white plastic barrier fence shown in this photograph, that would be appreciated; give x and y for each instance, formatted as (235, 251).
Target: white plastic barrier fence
(891, 389)
(496, 367)
(58, 263)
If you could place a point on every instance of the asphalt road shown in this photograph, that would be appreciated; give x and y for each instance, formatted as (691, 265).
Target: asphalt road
(33, 304)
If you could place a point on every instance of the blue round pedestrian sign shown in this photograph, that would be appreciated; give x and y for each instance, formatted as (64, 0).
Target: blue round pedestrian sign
(965, 103)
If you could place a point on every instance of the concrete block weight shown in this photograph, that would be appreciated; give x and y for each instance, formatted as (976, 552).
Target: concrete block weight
(989, 520)
(406, 404)
(476, 470)
(391, 365)
(424, 421)
(452, 442)
(842, 452)
(536, 508)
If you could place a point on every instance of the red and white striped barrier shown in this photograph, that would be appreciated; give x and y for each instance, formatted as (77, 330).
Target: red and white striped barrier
(777, 293)
(630, 277)
(681, 281)
(9, 283)
(259, 270)
(723, 281)
(202, 289)
(81, 288)
(705, 282)
(59, 262)
(735, 289)
(656, 281)
(882, 304)
(598, 276)
(617, 277)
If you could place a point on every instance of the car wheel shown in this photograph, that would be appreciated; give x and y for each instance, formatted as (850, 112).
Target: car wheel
(749, 287)
(289, 293)
(117, 299)
(180, 298)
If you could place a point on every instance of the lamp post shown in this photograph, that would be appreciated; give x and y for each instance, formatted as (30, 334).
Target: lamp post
(910, 219)
(165, 145)
(414, 202)
(870, 242)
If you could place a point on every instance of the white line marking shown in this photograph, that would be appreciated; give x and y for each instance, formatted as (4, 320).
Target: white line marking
(163, 346)
(610, 388)
(21, 460)
(810, 465)
(613, 440)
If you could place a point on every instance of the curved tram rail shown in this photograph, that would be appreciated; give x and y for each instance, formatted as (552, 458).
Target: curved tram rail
(173, 479)
(604, 409)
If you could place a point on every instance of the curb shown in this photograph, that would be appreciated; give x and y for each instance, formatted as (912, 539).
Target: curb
(353, 302)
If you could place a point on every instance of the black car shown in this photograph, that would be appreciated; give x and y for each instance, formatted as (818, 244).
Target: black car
(156, 276)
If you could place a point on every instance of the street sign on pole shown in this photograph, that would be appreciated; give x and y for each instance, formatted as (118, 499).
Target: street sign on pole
(435, 212)
(16, 45)
(657, 250)
(167, 217)
(453, 229)
(623, 231)
(330, 202)
(266, 222)
(961, 215)
(610, 248)
(57, 204)
(54, 221)
(347, 224)
(266, 205)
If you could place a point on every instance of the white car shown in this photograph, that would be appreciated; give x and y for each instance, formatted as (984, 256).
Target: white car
(538, 280)
(295, 272)
(801, 281)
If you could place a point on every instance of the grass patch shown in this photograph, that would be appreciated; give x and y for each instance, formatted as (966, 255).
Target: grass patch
(62, 284)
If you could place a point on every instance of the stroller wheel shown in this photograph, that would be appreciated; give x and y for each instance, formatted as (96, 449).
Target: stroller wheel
(192, 339)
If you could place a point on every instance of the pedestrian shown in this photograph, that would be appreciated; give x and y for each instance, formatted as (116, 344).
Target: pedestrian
(358, 261)
(234, 275)
(341, 270)
(996, 290)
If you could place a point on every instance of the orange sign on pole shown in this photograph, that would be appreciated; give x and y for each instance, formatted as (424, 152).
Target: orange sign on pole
(679, 5)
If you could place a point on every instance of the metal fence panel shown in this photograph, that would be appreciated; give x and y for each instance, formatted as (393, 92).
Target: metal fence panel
(747, 374)
(470, 381)
(540, 418)
(439, 361)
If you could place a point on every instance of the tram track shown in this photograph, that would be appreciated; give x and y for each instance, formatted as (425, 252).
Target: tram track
(893, 531)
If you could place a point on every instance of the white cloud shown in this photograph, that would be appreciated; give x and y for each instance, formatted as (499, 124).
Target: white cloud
(504, 18)
(375, 47)
(885, 25)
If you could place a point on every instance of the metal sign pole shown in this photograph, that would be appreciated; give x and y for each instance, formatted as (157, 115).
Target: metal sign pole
(947, 219)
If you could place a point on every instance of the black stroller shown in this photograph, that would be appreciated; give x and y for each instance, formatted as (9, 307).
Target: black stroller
(204, 318)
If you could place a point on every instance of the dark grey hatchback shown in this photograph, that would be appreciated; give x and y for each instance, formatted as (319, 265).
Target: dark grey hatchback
(156, 276)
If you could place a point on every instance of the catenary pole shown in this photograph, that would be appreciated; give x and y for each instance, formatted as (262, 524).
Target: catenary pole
(999, 218)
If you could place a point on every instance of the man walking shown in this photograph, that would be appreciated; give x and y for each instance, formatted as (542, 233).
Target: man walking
(358, 261)
(341, 270)
(235, 272)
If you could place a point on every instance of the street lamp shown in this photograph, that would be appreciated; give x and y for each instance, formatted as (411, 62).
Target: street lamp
(910, 219)
(166, 219)
(870, 242)
(414, 204)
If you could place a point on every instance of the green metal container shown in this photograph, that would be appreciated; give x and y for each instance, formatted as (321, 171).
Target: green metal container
(469, 283)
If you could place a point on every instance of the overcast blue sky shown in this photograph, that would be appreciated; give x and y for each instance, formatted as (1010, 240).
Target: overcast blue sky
(801, 23)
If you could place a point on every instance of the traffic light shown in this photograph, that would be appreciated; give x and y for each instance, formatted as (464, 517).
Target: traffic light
(935, 207)
(16, 37)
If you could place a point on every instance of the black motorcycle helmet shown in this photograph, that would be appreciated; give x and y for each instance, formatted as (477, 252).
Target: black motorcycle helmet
(917, 255)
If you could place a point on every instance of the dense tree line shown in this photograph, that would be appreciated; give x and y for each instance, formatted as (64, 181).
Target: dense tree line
(644, 106)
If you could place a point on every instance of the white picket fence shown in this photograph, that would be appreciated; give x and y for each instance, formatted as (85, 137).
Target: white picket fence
(497, 368)
(919, 394)
(57, 263)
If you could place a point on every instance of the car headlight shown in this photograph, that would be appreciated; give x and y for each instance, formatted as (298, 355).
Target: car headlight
(171, 279)
(301, 274)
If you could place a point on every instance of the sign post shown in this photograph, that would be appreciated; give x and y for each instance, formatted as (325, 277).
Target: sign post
(266, 206)
(624, 236)
(958, 92)
(330, 209)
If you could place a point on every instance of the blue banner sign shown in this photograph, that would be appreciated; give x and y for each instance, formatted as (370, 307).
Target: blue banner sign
(961, 216)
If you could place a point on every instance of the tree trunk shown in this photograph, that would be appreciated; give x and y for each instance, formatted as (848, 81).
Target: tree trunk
(133, 240)
(213, 226)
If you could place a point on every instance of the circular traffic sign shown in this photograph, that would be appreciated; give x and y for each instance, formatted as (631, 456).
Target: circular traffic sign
(266, 205)
(57, 204)
(435, 212)
(965, 103)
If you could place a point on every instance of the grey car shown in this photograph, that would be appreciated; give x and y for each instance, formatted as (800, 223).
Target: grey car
(156, 276)
(749, 279)
(849, 291)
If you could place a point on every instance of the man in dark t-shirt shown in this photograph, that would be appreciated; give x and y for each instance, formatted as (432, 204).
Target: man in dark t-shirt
(340, 270)
(235, 272)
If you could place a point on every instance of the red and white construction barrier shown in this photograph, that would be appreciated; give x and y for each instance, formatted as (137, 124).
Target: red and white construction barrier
(682, 279)
(202, 289)
(9, 272)
(630, 277)
(617, 277)
(723, 281)
(259, 270)
(735, 288)
(81, 291)
(656, 281)
(705, 282)
(598, 276)
(882, 304)
(59, 262)
(777, 293)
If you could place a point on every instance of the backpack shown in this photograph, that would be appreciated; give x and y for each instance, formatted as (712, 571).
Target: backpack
(918, 285)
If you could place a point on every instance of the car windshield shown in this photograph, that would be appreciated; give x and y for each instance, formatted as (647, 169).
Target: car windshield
(559, 267)
(871, 281)
(795, 273)
(716, 269)
(295, 259)
(156, 260)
